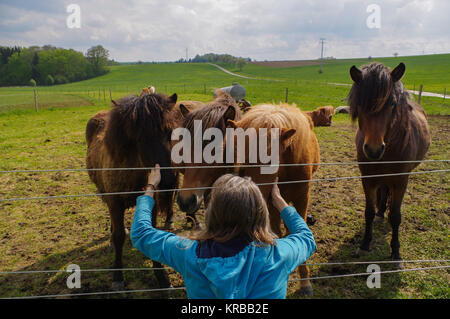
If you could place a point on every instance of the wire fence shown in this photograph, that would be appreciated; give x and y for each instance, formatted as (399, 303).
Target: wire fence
(220, 166)
(332, 179)
(86, 294)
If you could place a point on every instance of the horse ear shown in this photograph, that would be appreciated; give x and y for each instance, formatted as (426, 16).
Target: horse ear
(229, 114)
(356, 74)
(184, 110)
(285, 135)
(232, 124)
(398, 72)
(115, 103)
(173, 98)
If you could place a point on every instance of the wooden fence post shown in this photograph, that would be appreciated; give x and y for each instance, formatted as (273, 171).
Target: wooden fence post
(287, 94)
(110, 95)
(36, 100)
(420, 94)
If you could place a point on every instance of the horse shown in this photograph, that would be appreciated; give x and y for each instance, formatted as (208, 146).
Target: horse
(322, 116)
(190, 105)
(136, 132)
(297, 144)
(215, 114)
(391, 127)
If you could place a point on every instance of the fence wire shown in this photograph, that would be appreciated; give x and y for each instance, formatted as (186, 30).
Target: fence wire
(332, 179)
(85, 294)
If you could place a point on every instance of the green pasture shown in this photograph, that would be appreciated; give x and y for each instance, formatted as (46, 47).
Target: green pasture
(304, 85)
(51, 234)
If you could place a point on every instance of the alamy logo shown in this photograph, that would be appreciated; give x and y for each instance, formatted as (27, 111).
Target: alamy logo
(213, 152)
(374, 279)
(74, 280)
(374, 19)
(74, 19)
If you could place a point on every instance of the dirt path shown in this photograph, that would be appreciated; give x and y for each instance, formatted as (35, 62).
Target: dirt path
(241, 76)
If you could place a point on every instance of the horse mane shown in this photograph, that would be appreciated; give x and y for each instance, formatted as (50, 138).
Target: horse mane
(223, 98)
(212, 113)
(278, 116)
(375, 91)
(136, 120)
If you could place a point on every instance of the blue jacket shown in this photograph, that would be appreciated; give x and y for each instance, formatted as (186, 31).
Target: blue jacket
(235, 269)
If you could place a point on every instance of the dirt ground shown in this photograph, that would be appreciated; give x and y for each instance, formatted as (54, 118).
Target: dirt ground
(66, 231)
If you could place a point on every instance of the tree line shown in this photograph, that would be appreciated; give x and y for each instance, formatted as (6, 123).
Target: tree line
(48, 65)
(223, 59)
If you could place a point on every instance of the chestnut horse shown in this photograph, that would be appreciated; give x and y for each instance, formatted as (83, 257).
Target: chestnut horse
(136, 132)
(392, 127)
(322, 116)
(297, 144)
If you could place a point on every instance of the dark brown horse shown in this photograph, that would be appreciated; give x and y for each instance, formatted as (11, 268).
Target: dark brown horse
(214, 115)
(135, 133)
(392, 127)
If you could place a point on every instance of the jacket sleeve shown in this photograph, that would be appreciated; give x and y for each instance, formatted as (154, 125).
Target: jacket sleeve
(298, 246)
(156, 244)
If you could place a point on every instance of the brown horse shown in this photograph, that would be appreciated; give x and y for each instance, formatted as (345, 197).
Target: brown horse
(322, 116)
(214, 115)
(297, 144)
(392, 127)
(136, 132)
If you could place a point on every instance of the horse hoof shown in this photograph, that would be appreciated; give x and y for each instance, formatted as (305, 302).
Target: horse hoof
(398, 263)
(361, 252)
(167, 226)
(310, 220)
(118, 285)
(306, 291)
(378, 219)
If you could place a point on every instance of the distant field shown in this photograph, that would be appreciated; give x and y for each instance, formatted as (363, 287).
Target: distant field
(306, 87)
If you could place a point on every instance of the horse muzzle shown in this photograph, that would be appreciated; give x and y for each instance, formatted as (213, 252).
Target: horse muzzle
(374, 153)
(189, 204)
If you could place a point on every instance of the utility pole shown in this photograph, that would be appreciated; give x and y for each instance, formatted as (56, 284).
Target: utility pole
(186, 54)
(322, 41)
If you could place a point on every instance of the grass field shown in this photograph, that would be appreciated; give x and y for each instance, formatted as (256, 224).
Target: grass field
(51, 234)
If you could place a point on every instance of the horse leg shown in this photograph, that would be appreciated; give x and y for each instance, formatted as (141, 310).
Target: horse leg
(382, 196)
(369, 214)
(118, 238)
(300, 201)
(395, 218)
(165, 200)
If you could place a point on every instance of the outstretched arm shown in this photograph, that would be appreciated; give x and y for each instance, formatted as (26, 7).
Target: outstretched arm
(156, 244)
(299, 245)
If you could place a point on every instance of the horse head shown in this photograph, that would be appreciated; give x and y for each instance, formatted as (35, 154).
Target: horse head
(373, 100)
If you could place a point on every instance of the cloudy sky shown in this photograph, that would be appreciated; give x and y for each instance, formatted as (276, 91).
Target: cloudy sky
(161, 30)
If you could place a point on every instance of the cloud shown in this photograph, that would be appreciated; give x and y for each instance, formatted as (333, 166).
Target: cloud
(161, 30)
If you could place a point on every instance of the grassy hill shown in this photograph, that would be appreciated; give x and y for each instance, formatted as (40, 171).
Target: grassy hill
(305, 85)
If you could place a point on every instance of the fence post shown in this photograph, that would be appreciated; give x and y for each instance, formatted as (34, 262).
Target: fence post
(110, 95)
(420, 94)
(36, 100)
(287, 94)
(204, 88)
(104, 95)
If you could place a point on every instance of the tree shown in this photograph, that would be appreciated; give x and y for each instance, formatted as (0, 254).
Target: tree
(98, 57)
(241, 63)
(34, 69)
